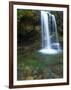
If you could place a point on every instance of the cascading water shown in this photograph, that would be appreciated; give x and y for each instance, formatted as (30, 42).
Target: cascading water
(47, 43)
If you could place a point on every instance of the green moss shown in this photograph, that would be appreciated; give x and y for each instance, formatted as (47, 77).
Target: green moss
(46, 65)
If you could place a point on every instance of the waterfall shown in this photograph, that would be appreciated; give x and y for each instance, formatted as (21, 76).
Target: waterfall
(57, 41)
(48, 28)
(45, 34)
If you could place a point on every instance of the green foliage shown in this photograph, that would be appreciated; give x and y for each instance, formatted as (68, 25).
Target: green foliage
(28, 21)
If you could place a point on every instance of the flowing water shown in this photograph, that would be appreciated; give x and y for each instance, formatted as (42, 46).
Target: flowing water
(49, 46)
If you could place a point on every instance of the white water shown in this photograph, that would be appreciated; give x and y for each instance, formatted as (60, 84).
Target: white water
(54, 21)
(45, 32)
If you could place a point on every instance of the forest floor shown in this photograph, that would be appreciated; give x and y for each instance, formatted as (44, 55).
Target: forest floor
(34, 65)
